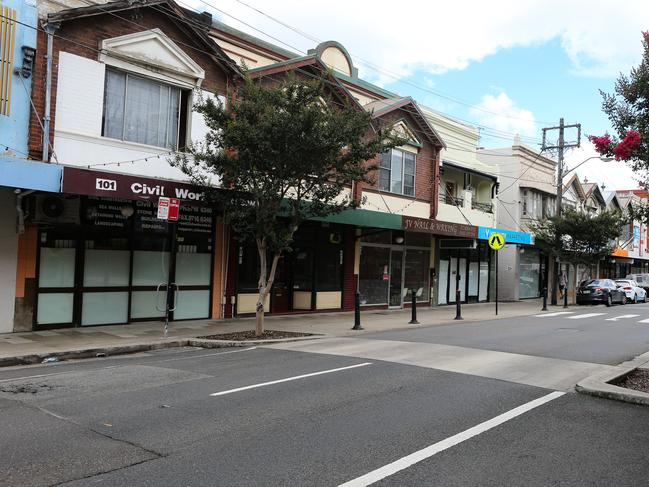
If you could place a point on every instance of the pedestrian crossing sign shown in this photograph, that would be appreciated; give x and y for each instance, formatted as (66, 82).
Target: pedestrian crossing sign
(496, 241)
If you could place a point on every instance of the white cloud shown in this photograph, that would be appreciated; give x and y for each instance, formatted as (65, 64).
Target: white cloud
(501, 113)
(615, 175)
(600, 37)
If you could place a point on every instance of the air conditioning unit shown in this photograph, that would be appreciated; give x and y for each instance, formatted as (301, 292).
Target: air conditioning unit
(50, 208)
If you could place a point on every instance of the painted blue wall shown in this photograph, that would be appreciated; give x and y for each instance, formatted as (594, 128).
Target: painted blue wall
(14, 128)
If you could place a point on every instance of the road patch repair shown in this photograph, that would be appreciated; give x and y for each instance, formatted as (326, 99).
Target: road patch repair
(608, 384)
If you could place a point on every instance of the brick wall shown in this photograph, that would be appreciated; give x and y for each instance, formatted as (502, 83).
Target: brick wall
(427, 168)
(83, 37)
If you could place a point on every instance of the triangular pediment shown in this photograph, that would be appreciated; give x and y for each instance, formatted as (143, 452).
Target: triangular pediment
(402, 130)
(153, 47)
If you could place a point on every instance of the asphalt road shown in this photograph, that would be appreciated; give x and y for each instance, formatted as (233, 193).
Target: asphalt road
(152, 419)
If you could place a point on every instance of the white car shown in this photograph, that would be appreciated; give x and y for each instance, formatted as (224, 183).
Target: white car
(634, 293)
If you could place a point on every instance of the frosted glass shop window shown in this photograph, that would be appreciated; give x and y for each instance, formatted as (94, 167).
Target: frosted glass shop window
(54, 308)
(192, 305)
(56, 267)
(106, 268)
(104, 308)
(150, 267)
(193, 269)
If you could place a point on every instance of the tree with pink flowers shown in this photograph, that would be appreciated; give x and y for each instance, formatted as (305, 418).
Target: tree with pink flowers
(628, 111)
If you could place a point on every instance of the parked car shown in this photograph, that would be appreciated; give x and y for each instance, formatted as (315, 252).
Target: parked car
(641, 279)
(634, 293)
(594, 291)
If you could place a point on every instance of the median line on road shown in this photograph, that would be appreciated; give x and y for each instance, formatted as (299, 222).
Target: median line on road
(429, 451)
(288, 379)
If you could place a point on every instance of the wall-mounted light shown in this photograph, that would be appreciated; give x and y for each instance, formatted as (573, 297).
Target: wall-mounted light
(127, 211)
(399, 240)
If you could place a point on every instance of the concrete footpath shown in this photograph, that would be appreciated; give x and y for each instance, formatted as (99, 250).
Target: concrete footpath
(32, 347)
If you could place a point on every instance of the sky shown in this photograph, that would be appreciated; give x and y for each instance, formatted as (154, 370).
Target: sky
(509, 67)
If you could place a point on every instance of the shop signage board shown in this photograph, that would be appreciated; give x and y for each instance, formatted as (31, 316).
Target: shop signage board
(511, 236)
(116, 185)
(436, 227)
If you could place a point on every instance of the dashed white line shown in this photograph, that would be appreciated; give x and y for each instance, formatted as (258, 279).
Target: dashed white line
(622, 317)
(429, 451)
(644, 321)
(558, 313)
(297, 377)
(587, 315)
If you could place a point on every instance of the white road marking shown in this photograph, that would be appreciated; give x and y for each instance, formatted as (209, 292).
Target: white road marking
(644, 321)
(303, 376)
(587, 315)
(558, 313)
(429, 451)
(622, 317)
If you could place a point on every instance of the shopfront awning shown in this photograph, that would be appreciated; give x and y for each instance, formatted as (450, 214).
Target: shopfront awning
(24, 174)
(365, 218)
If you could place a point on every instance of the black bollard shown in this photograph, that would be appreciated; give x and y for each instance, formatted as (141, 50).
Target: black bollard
(565, 297)
(413, 320)
(545, 299)
(357, 312)
(458, 306)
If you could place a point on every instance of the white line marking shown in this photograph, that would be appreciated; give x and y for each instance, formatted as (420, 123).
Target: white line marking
(304, 376)
(558, 313)
(587, 315)
(429, 451)
(644, 321)
(621, 317)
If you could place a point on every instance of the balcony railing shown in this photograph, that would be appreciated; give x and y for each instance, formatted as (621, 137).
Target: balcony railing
(486, 207)
(451, 200)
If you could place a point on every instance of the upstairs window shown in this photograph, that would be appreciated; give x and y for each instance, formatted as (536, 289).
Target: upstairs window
(397, 172)
(141, 110)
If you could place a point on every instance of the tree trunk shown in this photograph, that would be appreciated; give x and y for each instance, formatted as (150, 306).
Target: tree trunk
(265, 285)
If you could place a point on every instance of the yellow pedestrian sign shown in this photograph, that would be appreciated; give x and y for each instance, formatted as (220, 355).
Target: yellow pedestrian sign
(496, 241)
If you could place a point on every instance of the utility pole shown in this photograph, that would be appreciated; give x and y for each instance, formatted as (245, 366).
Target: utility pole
(561, 147)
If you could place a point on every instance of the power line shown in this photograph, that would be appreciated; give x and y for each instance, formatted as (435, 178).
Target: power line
(372, 65)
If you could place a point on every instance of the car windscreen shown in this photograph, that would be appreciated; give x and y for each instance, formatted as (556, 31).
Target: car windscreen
(593, 282)
(624, 283)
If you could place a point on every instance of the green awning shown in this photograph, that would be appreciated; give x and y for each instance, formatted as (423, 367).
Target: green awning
(365, 218)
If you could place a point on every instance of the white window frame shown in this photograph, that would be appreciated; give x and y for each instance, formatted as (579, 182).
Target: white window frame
(127, 75)
(388, 156)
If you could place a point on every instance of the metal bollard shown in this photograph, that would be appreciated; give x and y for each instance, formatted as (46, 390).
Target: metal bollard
(565, 298)
(413, 319)
(545, 299)
(458, 306)
(357, 312)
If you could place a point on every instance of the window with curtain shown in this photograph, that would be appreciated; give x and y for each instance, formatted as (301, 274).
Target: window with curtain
(397, 172)
(141, 110)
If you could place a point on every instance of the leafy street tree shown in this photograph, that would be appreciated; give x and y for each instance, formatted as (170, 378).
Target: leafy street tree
(578, 238)
(283, 153)
(627, 109)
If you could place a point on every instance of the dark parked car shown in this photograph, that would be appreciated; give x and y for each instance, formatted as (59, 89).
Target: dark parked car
(594, 291)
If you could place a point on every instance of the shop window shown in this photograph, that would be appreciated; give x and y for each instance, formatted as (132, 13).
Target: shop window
(529, 273)
(397, 172)
(417, 272)
(248, 267)
(374, 275)
(329, 264)
(141, 110)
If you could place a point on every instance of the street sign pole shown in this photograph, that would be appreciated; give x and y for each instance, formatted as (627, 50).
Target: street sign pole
(496, 282)
(496, 242)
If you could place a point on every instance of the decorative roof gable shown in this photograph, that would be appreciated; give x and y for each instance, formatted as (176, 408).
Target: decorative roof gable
(155, 48)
